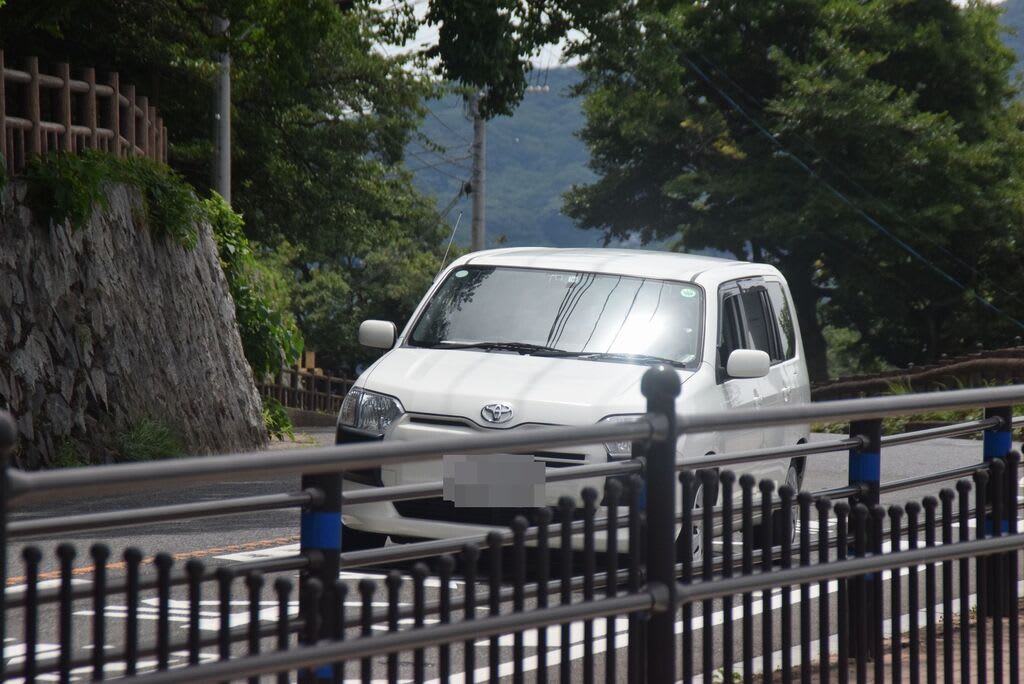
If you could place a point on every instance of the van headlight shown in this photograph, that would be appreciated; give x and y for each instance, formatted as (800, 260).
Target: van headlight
(369, 411)
(620, 451)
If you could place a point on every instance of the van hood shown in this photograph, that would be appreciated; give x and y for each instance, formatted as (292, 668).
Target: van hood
(540, 390)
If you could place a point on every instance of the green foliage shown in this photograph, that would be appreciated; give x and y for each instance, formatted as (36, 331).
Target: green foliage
(66, 187)
(148, 439)
(70, 454)
(270, 337)
(905, 108)
(275, 417)
(171, 204)
(848, 355)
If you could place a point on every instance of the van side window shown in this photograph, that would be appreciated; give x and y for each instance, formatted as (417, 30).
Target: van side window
(787, 332)
(731, 337)
(759, 322)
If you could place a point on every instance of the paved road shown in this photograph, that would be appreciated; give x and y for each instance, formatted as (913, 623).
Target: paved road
(238, 538)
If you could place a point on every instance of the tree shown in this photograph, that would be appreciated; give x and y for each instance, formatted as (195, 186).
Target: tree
(865, 148)
(321, 117)
(486, 46)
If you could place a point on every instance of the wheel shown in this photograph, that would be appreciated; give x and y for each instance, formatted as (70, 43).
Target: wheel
(698, 544)
(778, 522)
(357, 540)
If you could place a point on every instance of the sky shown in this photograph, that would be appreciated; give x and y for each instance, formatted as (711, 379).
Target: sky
(550, 56)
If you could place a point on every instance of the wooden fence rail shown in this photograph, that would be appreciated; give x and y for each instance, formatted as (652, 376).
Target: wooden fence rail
(40, 113)
(304, 390)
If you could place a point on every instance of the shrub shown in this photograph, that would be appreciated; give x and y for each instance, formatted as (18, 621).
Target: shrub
(149, 439)
(275, 417)
(269, 334)
(67, 187)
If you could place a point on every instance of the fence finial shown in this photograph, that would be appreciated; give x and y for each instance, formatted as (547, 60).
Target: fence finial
(660, 383)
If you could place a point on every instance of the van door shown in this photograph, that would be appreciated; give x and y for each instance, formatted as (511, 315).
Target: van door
(774, 389)
(735, 392)
(797, 389)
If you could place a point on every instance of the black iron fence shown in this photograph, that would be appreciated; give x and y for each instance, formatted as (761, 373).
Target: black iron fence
(815, 586)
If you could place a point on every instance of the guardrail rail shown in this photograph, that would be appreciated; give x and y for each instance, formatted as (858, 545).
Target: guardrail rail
(565, 587)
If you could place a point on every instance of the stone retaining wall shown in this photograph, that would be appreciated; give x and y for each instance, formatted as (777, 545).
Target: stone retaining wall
(104, 326)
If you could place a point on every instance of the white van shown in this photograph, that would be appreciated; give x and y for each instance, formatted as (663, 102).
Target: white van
(514, 338)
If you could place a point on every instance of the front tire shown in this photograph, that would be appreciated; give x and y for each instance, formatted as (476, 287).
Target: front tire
(779, 528)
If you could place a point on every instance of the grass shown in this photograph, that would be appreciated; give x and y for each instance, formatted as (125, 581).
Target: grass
(149, 439)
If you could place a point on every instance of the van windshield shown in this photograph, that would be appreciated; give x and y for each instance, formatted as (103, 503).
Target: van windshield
(564, 313)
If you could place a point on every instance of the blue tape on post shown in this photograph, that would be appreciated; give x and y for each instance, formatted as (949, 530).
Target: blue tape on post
(325, 672)
(642, 499)
(865, 467)
(997, 444)
(320, 530)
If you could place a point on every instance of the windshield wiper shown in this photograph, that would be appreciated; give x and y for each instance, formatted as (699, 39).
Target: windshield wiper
(620, 356)
(520, 347)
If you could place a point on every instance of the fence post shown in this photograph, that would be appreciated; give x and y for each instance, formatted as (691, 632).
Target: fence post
(67, 140)
(115, 113)
(34, 136)
(9, 168)
(130, 131)
(8, 438)
(660, 386)
(998, 443)
(865, 471)
(89, 75)
(152, 123)
(142, 136)
(320, 541)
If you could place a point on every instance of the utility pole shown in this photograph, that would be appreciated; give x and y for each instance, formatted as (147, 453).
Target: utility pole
(222, 117)
(479, 239)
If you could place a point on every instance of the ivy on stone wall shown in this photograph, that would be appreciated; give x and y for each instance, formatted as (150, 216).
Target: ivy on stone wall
(69, 187)
(269, 335)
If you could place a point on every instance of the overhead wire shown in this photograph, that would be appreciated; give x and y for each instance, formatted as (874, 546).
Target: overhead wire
(850, 179)
(846, 200)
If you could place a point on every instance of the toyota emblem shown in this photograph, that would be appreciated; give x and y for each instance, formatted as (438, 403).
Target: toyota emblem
(497, 412)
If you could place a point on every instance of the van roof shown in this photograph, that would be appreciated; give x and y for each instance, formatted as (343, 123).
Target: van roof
(630, 262)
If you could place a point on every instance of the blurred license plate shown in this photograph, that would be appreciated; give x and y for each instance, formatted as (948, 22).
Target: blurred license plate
(493, 481)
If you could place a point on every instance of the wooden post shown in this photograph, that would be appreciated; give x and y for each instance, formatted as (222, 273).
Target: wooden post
(115, 113)
(67, 142)
(90, 107)
(151, 141)
(163, 152)
(158, 132)
(142, 136)
(130, 132)
(32, 109)
(7, 166)
(295, 388)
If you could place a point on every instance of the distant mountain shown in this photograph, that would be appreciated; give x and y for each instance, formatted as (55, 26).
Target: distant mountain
(533, 157)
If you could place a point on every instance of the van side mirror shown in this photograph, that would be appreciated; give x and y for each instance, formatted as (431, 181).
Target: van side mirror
(377, 334)
(748, 363)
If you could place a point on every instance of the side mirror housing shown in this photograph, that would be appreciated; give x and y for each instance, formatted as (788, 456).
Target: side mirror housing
(748, 363)
(377, 334)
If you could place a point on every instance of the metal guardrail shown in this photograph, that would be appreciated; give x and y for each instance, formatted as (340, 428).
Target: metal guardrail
(640, 503)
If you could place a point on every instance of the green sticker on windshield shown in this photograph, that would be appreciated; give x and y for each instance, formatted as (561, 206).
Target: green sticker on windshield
(688, 292)
(461, 274)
